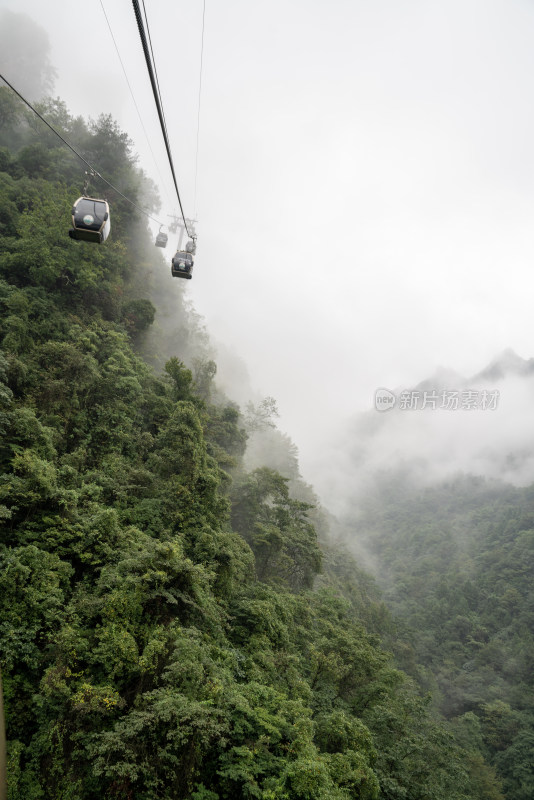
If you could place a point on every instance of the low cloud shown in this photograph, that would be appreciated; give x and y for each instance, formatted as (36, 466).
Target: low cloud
(481, 426)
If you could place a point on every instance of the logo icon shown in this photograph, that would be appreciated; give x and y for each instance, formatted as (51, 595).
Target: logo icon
(384, 400)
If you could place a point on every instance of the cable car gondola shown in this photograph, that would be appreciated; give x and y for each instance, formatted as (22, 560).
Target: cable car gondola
(182, 265)
(161, 239)
(90, 220)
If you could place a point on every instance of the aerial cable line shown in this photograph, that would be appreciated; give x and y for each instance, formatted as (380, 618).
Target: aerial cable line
(93, 170)
(199, 94)
(135, 103)
(154, 80)
(159, 107)
(153, 57)
(166, 133)
(154, 64)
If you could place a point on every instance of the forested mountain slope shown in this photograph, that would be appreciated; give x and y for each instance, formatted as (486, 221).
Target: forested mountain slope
(169, 625)
(457, 565)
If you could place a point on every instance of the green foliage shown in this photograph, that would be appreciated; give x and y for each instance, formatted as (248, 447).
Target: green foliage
(205, 371)
(165, 628)
(138, 315)
(457, 560)
(260, 416)
(277, 529)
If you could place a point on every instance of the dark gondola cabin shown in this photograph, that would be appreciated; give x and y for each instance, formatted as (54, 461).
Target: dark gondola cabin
(90, 220)
(161, 239)
(182, 265)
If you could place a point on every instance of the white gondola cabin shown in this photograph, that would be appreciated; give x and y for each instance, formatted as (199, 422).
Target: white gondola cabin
(161, 239)
(182, 265)
(90, 220)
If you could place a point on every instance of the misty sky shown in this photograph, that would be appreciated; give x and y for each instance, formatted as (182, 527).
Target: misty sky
(365, 187)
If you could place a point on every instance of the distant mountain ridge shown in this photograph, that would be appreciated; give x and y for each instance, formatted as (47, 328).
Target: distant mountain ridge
(506, 364)
(436, 440)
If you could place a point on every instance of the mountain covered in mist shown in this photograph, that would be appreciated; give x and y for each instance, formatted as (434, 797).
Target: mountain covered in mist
(173, 620)
(428, 505)
(455, 561)
(179, 617)
(507, 364)
(443, 425)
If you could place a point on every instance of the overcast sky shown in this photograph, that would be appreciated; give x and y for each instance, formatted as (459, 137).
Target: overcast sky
(365, 184)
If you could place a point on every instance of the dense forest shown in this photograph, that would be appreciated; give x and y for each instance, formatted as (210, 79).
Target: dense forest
(179, 618)
(171, 625)
(456, 566)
